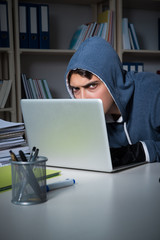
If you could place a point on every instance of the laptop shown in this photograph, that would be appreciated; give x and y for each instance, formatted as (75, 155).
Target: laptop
(71, 133)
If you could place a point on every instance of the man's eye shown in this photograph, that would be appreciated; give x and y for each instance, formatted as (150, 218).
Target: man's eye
(92, 86)
(75, 90)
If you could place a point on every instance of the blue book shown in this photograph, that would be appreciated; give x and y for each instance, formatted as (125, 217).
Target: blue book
(4, 28)
(43, 17)
(76, 36)
(134, 36)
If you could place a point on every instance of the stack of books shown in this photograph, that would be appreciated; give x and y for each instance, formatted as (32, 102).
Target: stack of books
(130, 40)
(102, 28)
(12, 137)
(35, 88)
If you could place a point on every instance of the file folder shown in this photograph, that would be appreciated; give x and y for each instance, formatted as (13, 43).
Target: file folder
(23, 25)
(43, 26)
(4, 30)
(33, 25)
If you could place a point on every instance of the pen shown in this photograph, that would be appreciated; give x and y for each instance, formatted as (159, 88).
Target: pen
(13, 156)
(22, 156)
(34, 157)
(32, 153)
(60, 184)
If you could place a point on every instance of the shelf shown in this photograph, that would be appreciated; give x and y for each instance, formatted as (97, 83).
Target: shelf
(48, 51)
(142, 4)
(6, 109)
(5, 50)
(142, 52)
(82, 2)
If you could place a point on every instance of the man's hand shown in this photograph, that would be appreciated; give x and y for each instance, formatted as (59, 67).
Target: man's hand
(127, 154)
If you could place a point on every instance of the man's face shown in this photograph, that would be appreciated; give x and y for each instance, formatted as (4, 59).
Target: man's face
(83, 88)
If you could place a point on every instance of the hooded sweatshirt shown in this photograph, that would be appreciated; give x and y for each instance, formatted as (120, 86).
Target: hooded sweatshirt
(137, 95)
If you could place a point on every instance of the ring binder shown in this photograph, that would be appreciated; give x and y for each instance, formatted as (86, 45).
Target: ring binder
(4, 31)
(23, 25)
(33, 25)
(43, 17)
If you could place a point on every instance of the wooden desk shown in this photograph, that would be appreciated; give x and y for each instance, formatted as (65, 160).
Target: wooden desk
(100, 206)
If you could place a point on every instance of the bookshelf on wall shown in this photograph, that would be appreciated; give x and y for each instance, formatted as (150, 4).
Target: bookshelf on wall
(64, 18)
(144, 15)
(7, 69)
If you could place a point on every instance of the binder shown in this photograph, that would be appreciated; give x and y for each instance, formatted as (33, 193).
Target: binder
(4, 29)
(43, 17)
(139, 67)
(33, 25)
(23, 25)
(133, 66)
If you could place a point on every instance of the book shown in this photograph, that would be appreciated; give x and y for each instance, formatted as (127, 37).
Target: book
(35, 88)
(102, 28)
(125, 34)
(6, 176)
(103, 16)
(134, 36)
(75, 36)
(46, 89)
(4, 92)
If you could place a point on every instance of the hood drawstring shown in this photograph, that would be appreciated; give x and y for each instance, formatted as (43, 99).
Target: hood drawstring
(127, 134)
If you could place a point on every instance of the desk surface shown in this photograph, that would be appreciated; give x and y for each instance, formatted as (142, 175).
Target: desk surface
(100, 206)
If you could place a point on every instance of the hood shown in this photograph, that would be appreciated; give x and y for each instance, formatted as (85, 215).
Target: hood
(97, 56)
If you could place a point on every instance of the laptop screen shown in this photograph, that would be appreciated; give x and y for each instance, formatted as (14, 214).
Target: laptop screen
(69, 132)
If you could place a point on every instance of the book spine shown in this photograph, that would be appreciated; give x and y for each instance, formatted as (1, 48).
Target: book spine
(134, 36)
(42, 88)
(40, 96)
(47, 89)
(125, 34)
(25, 85)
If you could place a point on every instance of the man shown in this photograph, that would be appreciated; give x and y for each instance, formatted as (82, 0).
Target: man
(131, 100)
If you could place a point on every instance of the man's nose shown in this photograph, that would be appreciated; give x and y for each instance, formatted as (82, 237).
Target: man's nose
(83, 94)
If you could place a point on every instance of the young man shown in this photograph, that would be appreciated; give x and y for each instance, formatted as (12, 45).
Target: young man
(131, 100)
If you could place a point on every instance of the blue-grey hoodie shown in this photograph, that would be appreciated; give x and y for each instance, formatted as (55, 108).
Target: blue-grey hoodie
(137, 96)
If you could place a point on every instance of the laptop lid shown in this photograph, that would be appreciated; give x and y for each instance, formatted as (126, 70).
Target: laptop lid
(69, 132)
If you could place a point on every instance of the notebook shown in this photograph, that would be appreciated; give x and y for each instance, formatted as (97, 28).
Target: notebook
(71, 133)
(6, 176)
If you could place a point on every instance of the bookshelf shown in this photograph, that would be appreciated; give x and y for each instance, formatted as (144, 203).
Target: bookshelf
(8, 112)
(144, 15)
(64, 17)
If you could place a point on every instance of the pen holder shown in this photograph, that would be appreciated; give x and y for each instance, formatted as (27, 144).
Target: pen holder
(29, 181)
